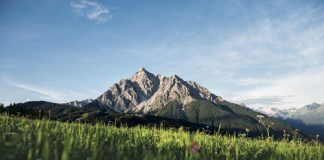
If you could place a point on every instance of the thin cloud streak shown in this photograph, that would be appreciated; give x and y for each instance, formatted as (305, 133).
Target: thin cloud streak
(92, 10)
(45, 93)
(49, 94)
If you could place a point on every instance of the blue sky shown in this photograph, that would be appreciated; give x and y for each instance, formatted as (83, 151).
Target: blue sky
(261, 53)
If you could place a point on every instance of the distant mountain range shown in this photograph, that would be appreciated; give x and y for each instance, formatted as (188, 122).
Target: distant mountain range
(312, 114)
(170, 98)
(309, 119)
(81, 103)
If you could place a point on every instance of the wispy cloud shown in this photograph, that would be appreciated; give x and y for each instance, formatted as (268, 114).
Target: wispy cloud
(286, 53)
(284, 44)
(274, 60)
(45, 93)
(92, 10)
(264, 101)
(293, 90)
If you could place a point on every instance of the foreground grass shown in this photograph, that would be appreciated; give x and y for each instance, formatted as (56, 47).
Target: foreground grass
(21, 138)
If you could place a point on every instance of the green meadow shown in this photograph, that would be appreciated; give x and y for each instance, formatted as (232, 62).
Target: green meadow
(22, 138)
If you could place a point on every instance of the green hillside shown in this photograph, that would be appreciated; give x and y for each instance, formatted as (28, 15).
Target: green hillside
(225, 114)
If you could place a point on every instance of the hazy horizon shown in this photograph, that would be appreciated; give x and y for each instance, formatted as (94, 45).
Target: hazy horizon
(268, 54)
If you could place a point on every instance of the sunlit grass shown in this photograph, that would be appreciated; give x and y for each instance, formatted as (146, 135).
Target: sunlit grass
(22, 138)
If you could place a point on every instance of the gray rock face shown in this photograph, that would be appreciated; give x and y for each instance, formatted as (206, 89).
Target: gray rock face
(79, 103)
(145, 92)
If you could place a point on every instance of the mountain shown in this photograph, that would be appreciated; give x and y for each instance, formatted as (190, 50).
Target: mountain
(308, 119)
(172, 97)
(79, 103)
(312, 114)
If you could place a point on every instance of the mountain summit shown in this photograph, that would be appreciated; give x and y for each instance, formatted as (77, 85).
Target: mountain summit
(145, 92)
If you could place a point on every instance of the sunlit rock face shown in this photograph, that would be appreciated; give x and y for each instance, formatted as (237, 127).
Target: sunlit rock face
(146, 92)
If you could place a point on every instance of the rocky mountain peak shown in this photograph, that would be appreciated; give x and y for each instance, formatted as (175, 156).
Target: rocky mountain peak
(145, 92)
(313, 106)
(143, 75)
(142, 72)
(145, 81)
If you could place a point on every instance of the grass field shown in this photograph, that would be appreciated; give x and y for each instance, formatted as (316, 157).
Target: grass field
(22, 138)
